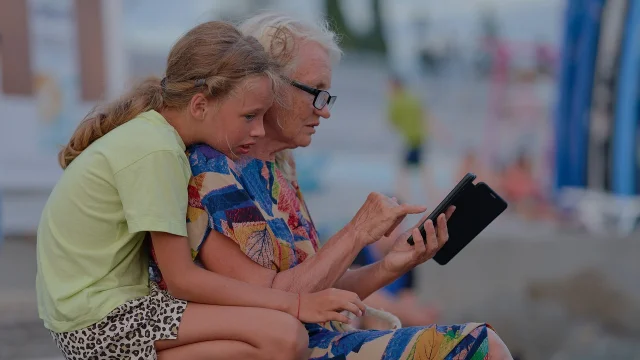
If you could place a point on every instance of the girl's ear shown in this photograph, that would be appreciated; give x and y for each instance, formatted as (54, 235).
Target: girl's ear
(198, 106)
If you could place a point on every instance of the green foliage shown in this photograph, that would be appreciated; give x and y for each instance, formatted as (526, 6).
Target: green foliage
(373, 41)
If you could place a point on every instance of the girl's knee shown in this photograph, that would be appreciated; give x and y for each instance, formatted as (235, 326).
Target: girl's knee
(288, 339)
(497, 348)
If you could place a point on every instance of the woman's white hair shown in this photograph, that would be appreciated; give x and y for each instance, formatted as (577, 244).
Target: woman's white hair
(281, 36)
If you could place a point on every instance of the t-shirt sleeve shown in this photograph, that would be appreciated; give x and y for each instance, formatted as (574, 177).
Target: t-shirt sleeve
(153, 191)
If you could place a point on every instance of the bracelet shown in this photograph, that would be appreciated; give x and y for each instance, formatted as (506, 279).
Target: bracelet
(298, 316)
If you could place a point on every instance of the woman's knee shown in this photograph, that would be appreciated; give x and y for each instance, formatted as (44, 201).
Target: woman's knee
(497, 348)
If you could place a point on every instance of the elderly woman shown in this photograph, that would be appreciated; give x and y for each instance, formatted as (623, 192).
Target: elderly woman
(247, 220)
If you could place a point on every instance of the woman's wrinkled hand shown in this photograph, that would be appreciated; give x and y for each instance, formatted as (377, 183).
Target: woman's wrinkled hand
(327, 305)
(403, 257)
(379, 216)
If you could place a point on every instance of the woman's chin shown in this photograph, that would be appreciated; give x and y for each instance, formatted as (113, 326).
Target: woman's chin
(303, 141)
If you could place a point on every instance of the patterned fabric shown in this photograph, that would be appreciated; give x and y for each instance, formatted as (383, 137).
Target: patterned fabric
(252, 203)
(450, 342)
(128, 332)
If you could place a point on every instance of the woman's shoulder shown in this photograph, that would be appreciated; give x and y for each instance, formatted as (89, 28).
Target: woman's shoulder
(205, 159)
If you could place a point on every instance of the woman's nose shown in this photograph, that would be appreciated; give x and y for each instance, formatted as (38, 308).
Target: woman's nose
(324, 112)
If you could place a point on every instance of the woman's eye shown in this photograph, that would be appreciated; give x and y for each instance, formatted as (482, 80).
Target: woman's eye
(250, 117)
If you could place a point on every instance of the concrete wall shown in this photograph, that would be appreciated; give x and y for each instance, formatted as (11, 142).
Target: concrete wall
(566, 294)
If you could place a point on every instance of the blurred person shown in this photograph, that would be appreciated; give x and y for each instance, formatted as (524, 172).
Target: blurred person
(247, 220)
(544, 58)
(125, 177)
(522, 189)
(470, 163)
(407, 116)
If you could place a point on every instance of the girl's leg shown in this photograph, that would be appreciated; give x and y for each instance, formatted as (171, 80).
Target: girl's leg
(228, 332)
(218, 349)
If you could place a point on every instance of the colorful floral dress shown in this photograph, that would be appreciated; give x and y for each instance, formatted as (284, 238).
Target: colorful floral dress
(252, 203)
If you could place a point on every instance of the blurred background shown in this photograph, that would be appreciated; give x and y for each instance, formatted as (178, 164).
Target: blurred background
(539, 98)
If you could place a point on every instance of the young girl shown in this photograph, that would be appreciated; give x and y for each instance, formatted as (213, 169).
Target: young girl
(126, 176)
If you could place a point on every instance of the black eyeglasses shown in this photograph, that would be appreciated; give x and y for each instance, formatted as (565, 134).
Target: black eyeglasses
(322, 97)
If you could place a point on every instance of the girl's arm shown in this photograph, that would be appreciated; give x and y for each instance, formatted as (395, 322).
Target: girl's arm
(186, 280)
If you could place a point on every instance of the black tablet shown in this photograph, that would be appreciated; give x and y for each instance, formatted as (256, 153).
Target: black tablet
(464, 184)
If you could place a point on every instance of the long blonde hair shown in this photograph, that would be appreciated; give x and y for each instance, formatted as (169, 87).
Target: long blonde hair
(212, 58)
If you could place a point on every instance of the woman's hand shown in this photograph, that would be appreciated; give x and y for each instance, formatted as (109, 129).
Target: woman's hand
(326, 305)
(379, 216)
(404, 257)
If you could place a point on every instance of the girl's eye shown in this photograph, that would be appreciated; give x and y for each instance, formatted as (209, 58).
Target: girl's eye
(250, 117)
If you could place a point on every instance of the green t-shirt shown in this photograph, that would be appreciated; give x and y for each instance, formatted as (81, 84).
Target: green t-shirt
(90, 250)
(406, 115)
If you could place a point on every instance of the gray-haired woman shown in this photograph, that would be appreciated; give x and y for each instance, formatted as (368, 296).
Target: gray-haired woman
(250, 222)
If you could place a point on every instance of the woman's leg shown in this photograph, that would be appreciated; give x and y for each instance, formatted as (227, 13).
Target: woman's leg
(455, 342)
(483, 343)
(227, 332)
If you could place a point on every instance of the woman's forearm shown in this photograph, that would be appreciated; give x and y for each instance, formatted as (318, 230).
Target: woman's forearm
(322, 270)
(366, 280)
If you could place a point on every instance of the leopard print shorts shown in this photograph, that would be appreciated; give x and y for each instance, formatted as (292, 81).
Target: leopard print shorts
(128, 332)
